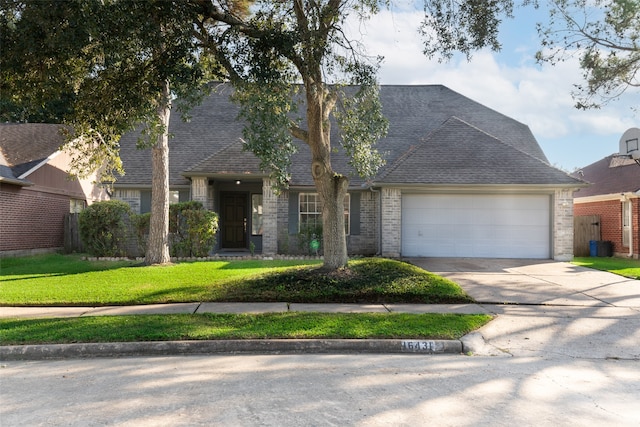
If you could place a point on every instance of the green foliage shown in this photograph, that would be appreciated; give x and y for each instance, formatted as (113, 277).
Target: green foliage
(265, 106)
(623, 266)
(193, 229)
(308, 232)
(462, 26)
(362, 123)
(141, 223)
(103, 228)
(606, 35)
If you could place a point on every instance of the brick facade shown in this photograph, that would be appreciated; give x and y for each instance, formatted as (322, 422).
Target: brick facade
(31, 219)
(391, 201)
(366, 242)
(563, 225)
(610, 212)
(380, 228)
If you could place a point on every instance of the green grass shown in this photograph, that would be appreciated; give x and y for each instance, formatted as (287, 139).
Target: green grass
(237, 326)
(70, 281)
(66, 280)
(624, 267)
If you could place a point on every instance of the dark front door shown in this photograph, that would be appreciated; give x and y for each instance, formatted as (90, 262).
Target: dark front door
(234, 220)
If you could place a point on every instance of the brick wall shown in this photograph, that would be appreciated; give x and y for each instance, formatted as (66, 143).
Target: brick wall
(365, 243)
(391, 200)
(563, 225)
(610, 212)
(31, 219)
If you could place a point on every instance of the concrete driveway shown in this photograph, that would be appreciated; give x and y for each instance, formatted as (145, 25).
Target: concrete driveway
(548, 308)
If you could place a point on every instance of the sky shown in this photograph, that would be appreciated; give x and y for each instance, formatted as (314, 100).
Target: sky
(509, 81)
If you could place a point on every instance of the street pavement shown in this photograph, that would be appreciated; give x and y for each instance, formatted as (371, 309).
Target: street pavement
(563, 350)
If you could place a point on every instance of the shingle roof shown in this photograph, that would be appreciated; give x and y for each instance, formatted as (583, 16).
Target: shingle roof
(209, 142)
(26, 145)
(231, 160)
(458, 153)
(609, 175)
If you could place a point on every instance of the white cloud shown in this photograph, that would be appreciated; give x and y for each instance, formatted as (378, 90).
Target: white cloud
(509, 82)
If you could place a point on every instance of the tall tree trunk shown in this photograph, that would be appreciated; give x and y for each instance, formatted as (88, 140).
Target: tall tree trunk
(158, 243)
(331, 187)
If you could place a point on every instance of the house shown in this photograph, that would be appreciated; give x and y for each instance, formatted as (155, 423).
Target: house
(35, 189)
(614, 196)
(460, 180)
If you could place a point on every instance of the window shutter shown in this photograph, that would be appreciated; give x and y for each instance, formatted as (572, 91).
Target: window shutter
(145, 201)
(354, 214)
(293, 213)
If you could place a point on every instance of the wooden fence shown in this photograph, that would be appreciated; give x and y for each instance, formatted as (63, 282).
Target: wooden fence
(585, 229)
(72, 241)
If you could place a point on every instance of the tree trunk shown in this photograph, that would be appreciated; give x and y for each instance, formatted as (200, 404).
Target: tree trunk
(331, 187)
(158, 243)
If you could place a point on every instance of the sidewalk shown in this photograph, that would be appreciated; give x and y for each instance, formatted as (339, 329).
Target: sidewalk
(236, 307)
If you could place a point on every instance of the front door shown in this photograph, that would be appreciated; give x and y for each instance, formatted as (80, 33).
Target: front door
(234, 220)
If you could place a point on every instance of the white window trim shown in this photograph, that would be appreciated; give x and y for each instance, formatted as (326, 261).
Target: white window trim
(347, 213)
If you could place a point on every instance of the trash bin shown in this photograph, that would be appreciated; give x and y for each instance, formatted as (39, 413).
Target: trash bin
(605, 248)
(593, 248)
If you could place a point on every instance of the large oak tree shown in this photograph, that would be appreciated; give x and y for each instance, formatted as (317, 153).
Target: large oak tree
(103, 67)
(117, 63)
(286, 43)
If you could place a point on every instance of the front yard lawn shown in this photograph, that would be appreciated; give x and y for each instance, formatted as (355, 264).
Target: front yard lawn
(69, 280)
(56, 280)
(622, 266)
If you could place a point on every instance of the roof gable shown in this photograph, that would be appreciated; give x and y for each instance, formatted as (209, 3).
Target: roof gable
(458, 153)
(610, 175)
(232, 160)
(26, 146)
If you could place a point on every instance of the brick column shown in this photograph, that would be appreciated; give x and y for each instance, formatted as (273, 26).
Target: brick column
(199, 189)
(563, 225)
(269, 218)
(391, 202)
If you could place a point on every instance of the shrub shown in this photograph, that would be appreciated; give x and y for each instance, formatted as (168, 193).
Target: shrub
(103, 228)
(193, 229)
(141, 224)
(309, 232)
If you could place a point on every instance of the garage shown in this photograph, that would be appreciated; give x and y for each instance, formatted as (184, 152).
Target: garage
(476, 226)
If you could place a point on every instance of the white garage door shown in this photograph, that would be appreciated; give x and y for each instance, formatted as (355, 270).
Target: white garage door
(480, 226)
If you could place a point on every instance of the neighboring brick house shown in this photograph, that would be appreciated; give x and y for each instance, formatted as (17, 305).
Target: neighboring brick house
(35, 189)
(614, 195)
(460, 180)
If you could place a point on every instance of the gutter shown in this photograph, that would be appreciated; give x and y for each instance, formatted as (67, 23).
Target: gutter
(15, 181)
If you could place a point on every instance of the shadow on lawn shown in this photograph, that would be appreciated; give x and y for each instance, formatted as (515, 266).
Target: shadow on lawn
(50, 265)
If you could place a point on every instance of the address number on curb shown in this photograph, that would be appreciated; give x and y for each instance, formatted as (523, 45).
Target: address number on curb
(419, 346)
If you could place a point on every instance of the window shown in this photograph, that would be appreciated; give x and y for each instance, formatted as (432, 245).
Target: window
(174, 197)
(626, 223)
(76, 206)
(256, 214)
(311, 211)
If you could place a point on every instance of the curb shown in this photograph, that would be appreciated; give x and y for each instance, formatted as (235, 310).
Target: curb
(179, 348)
